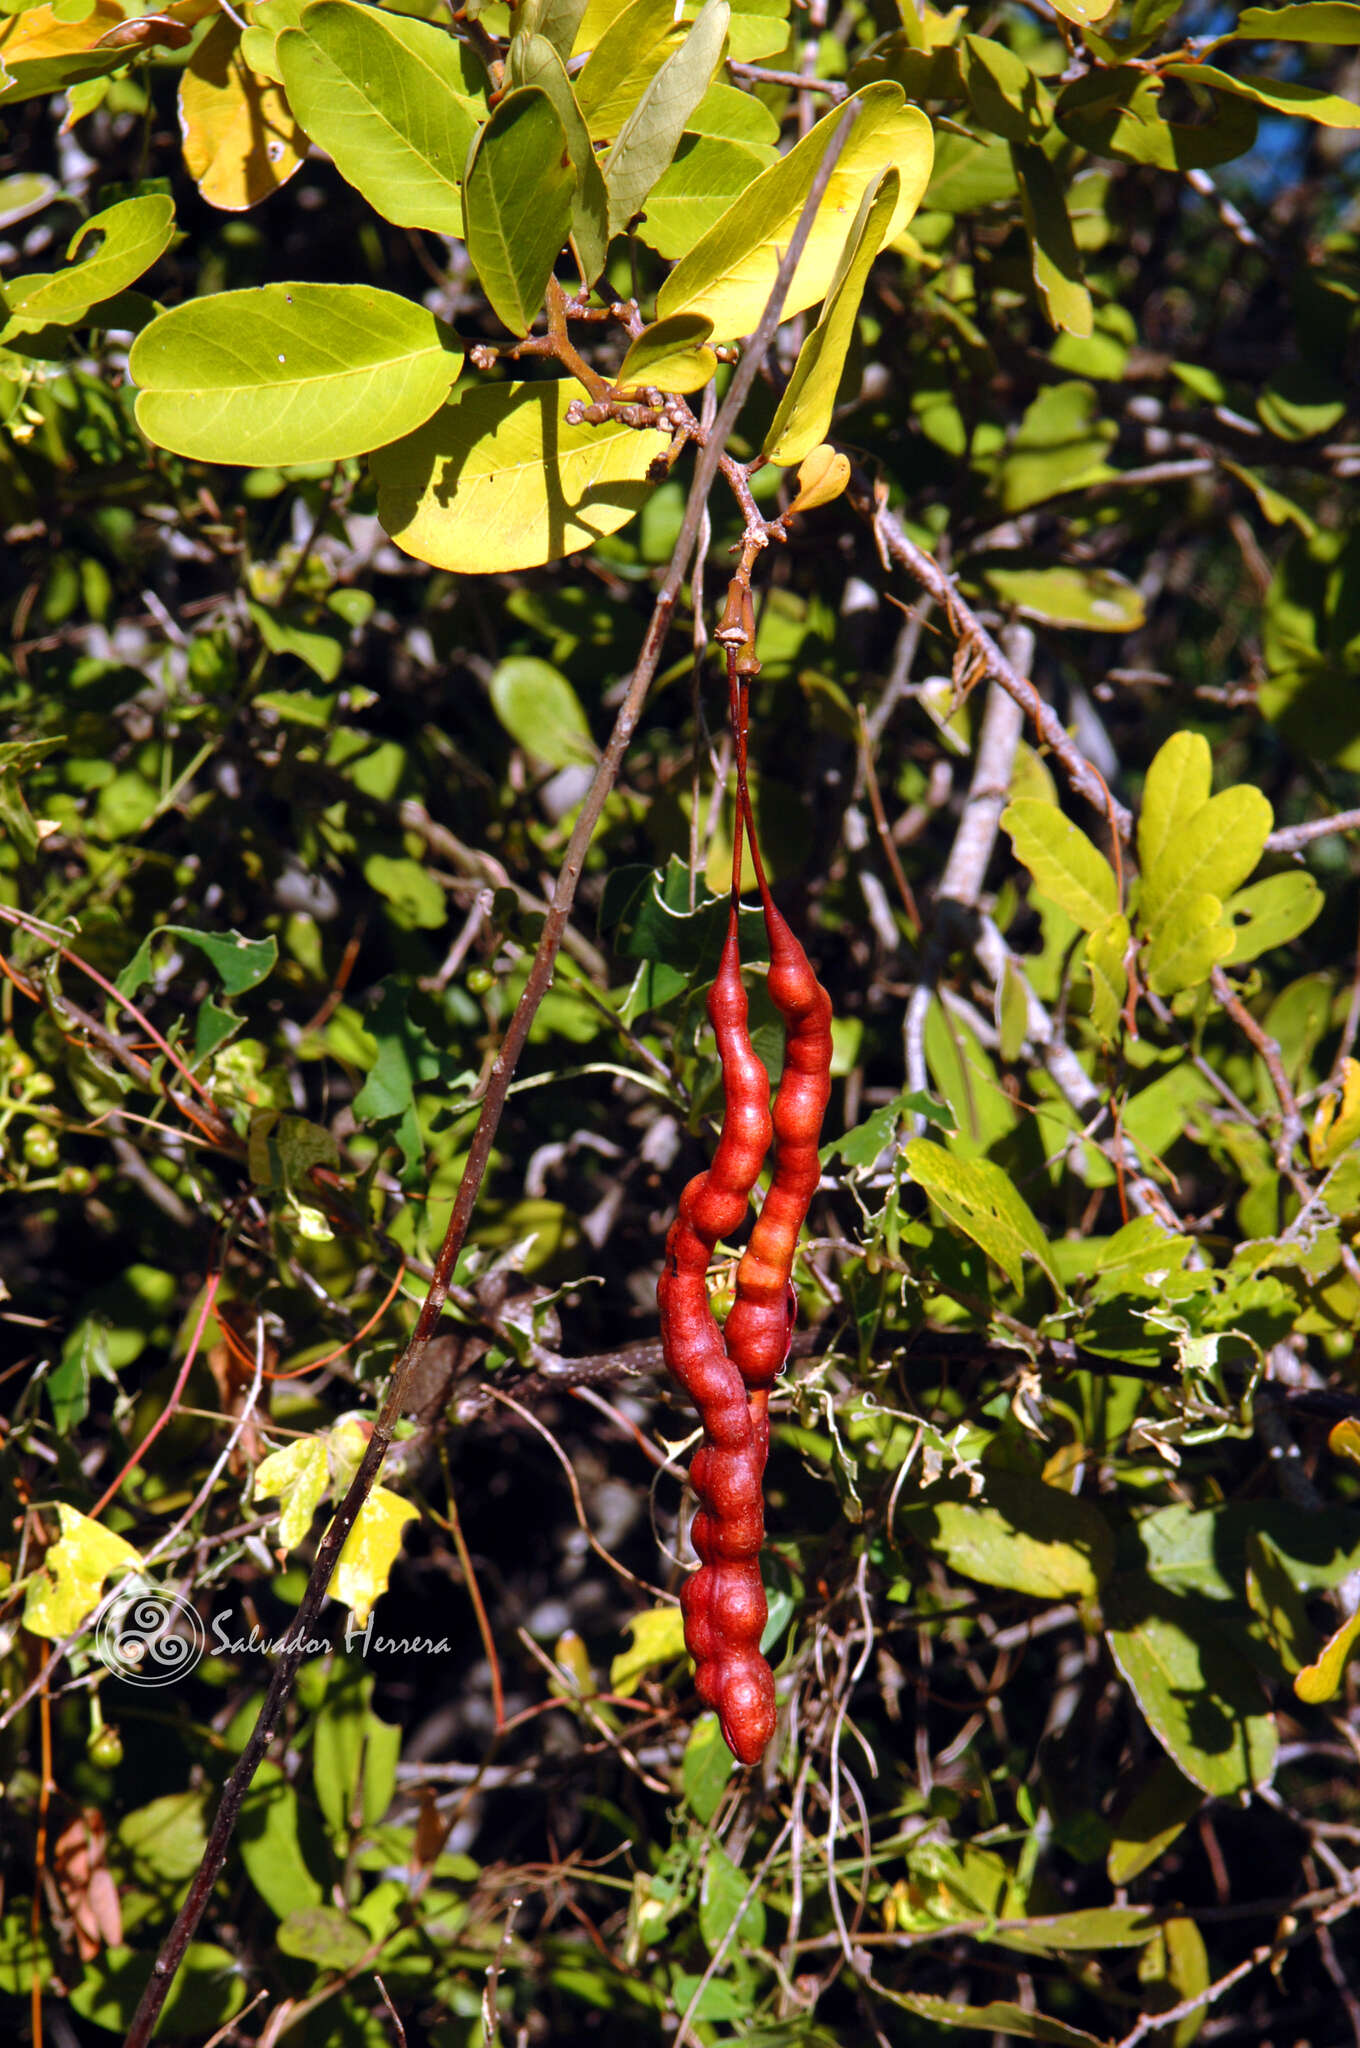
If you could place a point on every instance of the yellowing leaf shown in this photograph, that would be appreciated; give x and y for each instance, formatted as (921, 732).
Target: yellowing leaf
(658, 1638)
(822, 476)
(1105, 951)
(670, 356)
(1337, 1122)
(977, 1196)
(727, 275)
(804, 411)
(1321, 1680)
(297, 1475)
(1177, 786)
(1187, 945)
(240, 141)
(365, 1564)
(1343, 1439)
(73, 1573)
(499, 480)
(1063, 861)
(1212, 854)
(40, 53)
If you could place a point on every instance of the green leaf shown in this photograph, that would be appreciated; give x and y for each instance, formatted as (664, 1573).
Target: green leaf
(290, 373)
(135, 233)
(323, 653)
(1160, 1808)
(977, 1196)
(736, 116)
(1278, 1604)
(165, 1839)
(241, 963)
(499, 480)
(648, 139)
(1046, 1934)
(997, 2017)
(323, 1935)
(628, 55)
(1211, 855)
(728, 274)
(517, 204)
(1106, 950)
(709, 174)
(706, 1768)
(658, 1638)
(1336, 22)
(208, 1991)
(759, 31)
(393, 101)
(541, 711)
(671, 354)
(270, 1845)
(969, 173)
(1053, 250)
(1301, 401)
(1060, 445)
(1117, 113)
(534, 61)
(1200, 1698)
(1063, 862)
(259, 43)
(1281, 95)
(417, 899)
(803, 416)
(721, 1891)
(1177, 787)
(556, 21)
(1007, 97)
(1023, 1535)
(1188, 943)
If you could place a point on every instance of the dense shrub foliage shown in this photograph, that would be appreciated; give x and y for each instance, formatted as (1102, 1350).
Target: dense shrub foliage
(387, 397)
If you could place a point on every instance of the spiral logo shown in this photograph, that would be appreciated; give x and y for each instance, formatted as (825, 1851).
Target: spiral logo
(147, 1636)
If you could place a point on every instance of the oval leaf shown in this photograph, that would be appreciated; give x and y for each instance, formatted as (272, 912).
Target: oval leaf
(804, 413)
(1063, 862)
(648, 139)
(290, 373)
(392, 101)
(517, 202)
(670, 356)
(135, 233)
(500, 481)
(728, 274)
(539, 709)
(241, 143)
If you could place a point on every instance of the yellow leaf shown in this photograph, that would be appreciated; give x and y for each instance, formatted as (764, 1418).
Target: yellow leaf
(822, 475)
(37, 33)
(500, 480)
(297, 1475)
(1321, 1680)
(1344, 1439)
(1337, 1122)
(73, 1574)
(658, 1638)
(240, 141)
(365, 1564)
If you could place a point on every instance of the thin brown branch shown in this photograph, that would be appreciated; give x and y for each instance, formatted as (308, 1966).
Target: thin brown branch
(897, 545)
